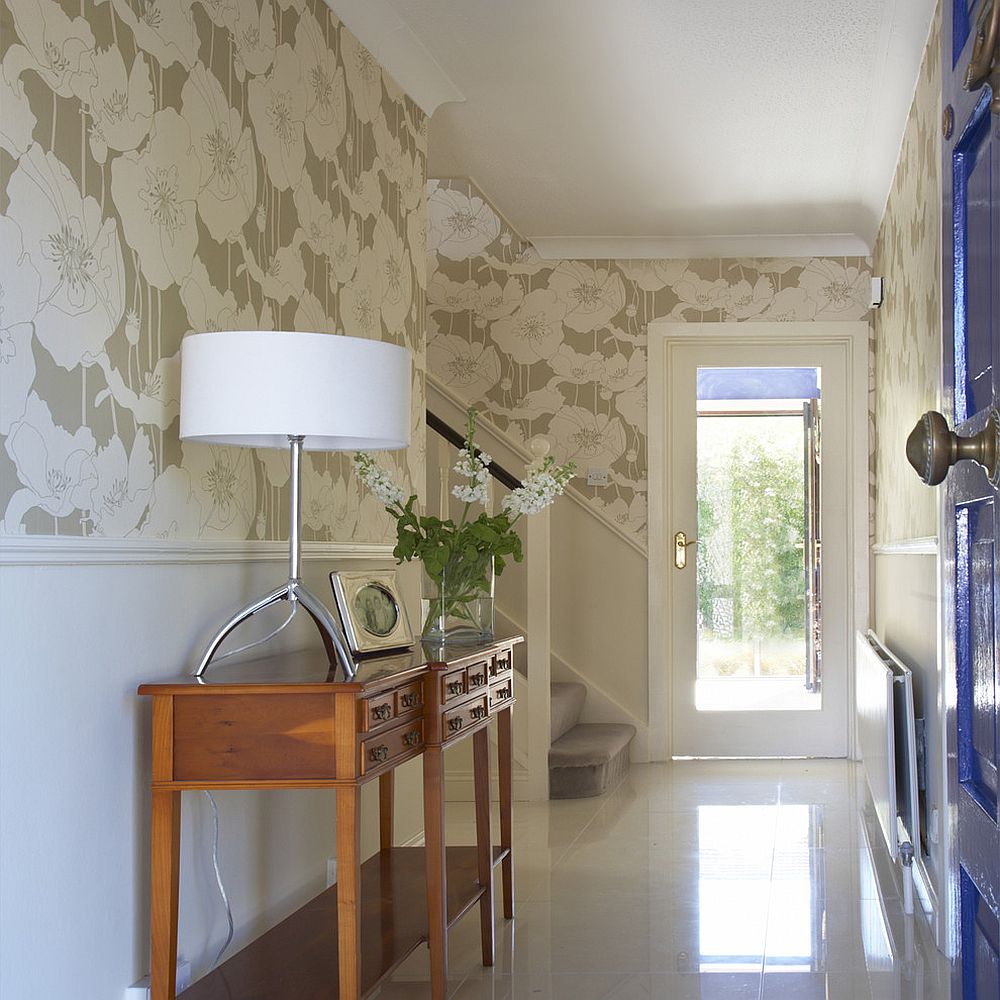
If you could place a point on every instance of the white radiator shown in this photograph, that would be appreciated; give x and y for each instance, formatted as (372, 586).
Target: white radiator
(887, 736)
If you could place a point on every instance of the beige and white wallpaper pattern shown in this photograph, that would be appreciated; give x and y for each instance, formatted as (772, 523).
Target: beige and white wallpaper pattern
(559, 347)
(908, 326)
(169, 166)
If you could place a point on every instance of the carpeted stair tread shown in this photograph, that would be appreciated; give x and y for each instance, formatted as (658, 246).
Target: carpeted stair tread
(567, 700)
(588, 760)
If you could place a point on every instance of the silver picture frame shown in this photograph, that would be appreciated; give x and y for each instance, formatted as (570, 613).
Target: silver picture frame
(372, 611)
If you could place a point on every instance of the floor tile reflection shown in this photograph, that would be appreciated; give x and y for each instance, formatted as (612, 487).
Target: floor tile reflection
(733, 880)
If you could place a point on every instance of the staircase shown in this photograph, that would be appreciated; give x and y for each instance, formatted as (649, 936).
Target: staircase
(585, 759)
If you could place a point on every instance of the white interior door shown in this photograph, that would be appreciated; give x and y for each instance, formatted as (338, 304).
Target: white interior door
(742, 679)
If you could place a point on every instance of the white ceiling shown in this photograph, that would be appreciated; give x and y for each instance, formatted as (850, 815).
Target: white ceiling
(672, 127)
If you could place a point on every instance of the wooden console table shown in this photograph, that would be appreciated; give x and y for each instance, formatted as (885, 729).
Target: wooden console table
(285, 722)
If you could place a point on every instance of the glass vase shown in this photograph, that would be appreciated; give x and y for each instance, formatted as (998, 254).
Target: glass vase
(457, 608)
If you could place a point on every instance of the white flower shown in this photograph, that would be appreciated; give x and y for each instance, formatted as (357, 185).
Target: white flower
(277, 109)
(209, 310)
(539, 488)
(459, 226)
(120, 104)
(535, 331)
(55, 468)
(377, 479)
(122, 490)
(326, 102)
(364, 76)
(591, 295)
(76, 254)
(228, 192)
(155, 192)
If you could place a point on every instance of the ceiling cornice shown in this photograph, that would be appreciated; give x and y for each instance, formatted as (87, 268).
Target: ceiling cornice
(692, 247)
(405, 58)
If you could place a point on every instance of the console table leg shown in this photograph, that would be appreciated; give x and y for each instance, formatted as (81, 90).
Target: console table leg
(505, 761)
(484, 838)
(349, 890)
(385, 809)
(164, 880)
(437, 884)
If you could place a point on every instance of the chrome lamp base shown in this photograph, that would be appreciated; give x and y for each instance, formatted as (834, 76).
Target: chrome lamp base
(294, 590)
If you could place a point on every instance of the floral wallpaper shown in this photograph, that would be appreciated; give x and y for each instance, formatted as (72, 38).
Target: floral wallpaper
(908, 326)
(559, 347)
(169, 166)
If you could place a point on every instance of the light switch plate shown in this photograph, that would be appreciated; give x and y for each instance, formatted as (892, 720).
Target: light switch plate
(597, 476)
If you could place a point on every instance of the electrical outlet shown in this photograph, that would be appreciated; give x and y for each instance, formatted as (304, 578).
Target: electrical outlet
(140, 990)
(331, 871)
(597, 476)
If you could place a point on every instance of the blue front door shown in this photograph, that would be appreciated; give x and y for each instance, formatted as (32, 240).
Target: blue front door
(971, 536)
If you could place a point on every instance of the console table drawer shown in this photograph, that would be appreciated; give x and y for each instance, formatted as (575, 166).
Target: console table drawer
(392, 747)
(501, 663)
(453, 685)
(478, 675)
(377, 712)
(501, 693)
(253, 737)
(463, 718)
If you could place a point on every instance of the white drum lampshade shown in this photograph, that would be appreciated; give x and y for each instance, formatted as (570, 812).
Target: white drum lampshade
(304, 392)
(257, 388)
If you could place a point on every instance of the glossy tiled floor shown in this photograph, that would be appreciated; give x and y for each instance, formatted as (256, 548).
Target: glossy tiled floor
(732, 880)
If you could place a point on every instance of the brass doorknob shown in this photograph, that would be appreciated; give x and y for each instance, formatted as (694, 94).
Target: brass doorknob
(933, 448)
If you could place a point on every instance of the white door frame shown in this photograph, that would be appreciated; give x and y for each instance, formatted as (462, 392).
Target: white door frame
(854, 337)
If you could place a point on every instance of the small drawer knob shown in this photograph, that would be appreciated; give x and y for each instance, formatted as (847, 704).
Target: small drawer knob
(411, 739)
(379, 753)
(454, 725)
(410, 700)
(381, 712)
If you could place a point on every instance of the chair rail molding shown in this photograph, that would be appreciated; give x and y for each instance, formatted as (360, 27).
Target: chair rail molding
(924, 546)
(46, 550)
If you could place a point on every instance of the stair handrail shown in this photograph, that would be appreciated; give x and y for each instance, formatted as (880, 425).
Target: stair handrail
(456, 438)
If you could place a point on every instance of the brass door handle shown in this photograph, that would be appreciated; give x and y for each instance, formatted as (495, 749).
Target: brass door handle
(681, 542)
(984, 65)
(933, 448)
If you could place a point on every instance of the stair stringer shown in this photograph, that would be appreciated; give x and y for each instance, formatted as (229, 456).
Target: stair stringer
(600, 706)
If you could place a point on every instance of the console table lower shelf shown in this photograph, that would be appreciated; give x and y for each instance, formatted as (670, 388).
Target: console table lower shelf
(297, 958)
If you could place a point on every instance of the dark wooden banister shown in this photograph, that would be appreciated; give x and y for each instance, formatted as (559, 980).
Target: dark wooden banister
(498, 472)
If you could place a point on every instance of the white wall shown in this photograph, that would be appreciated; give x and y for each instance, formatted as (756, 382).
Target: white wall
(74, 774)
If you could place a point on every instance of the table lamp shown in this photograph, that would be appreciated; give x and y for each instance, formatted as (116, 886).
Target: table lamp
(301, 391)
